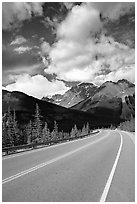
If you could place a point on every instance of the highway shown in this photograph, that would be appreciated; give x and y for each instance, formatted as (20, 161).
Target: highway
(99, 168)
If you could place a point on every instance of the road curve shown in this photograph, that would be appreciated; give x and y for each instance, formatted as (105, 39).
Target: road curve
(94, 169)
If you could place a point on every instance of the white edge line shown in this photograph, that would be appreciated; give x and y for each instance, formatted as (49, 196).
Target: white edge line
(47, 147)
(110, 178)
(6, 180)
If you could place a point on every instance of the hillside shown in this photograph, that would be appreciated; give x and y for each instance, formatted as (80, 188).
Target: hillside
(115, 98)
(25, 105)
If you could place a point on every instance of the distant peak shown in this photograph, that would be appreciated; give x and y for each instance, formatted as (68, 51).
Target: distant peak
(124, 81)
(118, 82)
(107, 82)
(86, 84)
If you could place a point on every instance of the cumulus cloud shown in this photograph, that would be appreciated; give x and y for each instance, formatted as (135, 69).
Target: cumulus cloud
(18, 40)
(22, 49)
(80, 22)
(13, 13)
(44, 52)
(113, 10)
(82, 52)
(45, 48)
(37, 86)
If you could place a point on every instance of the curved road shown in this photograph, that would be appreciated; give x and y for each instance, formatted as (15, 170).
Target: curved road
(98, 168)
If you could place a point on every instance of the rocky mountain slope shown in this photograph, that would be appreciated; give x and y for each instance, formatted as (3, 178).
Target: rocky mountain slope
(111, 98)
(73, 96)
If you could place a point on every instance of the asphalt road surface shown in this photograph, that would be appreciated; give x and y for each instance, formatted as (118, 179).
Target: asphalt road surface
(99, 168)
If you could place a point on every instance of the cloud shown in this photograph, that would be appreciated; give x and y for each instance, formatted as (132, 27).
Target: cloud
(45, 48)
(37, 86)
(82, 51)
(13, 13)
(80, 22)
(113, 10)
(44, 52)
(22, 49)
(18, 40)
(8, 76)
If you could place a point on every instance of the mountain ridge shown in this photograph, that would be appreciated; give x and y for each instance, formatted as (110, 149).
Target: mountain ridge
(82, 91)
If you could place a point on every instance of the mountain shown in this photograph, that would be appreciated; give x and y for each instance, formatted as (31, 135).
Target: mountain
(111, 98)
(25, 106)
(111, 103)
(73, 96)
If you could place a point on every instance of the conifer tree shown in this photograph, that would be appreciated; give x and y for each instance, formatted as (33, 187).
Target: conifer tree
(45, 133)
(37, 125)
(10, 129)
(4, 132)
(87, 128)
(55, 134)
(29, 132)
(83, 130)
(74, 131)
(15, 129)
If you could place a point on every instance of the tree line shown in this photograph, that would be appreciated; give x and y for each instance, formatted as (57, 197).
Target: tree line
(34, 131)
(128, 125)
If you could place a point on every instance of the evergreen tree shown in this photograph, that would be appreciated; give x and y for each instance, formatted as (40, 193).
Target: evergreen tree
(79, 133)
(55, 134)
(15, 129)
(29, 132)
(10, 129)
(37, 125)
(87, 128)
(67, 135)
(83, 130)
(74, 131)
(45, 133)
(4, 131)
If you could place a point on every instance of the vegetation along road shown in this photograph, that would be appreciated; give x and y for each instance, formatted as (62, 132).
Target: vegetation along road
(100, 167)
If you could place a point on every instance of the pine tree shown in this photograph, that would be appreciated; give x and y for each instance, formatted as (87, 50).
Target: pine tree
(74, 131)
(10, 129)
(29, 132)
(4, 131)
(83, 130)
(16, 130)
(87, 128)
(55, 134)
(45, 133)
(37, 125)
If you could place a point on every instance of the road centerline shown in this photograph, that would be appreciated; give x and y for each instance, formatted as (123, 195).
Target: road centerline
(110, 178)
(13, 177)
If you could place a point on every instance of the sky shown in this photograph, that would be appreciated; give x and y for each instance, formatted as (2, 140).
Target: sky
(48, 47)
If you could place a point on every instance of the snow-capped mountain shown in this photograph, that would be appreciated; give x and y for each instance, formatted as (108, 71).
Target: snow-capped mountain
(73, 96)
